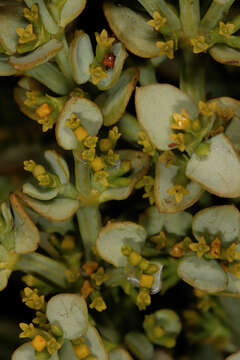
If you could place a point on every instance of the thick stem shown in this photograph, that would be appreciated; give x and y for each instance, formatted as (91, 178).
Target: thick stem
(82, 175)
(192, 75)
(47, 268)
(89, 221)
(190, 17)
(217, 10)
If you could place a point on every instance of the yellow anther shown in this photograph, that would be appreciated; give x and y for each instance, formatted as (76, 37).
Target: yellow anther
(178, 191)
(114, 134)
(180, 121)
(99, 276)
(134, 258)
(28, 330)
(176, 250)
(111, 158)
(167, 158)
(146, 281)
(158, 332)
(215, 248)
(226, 30)
(53, 346)
(29, 165)
(160, 240)
(179, 140)
(31, 15)
(47, 123)
(26, 35)
(29, 280)
(90, 267)
(144, 264)
(103, 39)
(43, 111)
(199, 44)
(126, 250)
(105, 145)
(38, 170)
(206, 109)
(40, 319)
(145, 181)
(72, 275)
(86, 289)
(81, 351)
(88, 155)
(226, 113)
(143, 299)
(68, 243)
(44, 180)
(98, 304)
(39, 343)
(158, 21)
(232, 253)
(101, 177)
(31, 97)
(32, 299)
(97, 164)
(97, 74)
(73, 122)
(144, 140)
(91, 142)
(200, 247)
(80, 133)
(166, 48)
(151, 269)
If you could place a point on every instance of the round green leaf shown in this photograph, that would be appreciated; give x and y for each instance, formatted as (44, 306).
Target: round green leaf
(225, 54)
(219, 171)
(80, 45)
(113, 102)
(89, 114)
(69, 311)
(113, 236)
(155, 105)
(205, 275)
(95, 344)
(66, 352)
(163, 181)
(45, 15)
(70, 10)
(218, 221)
(132, 30)
(39, 193)
(58, 164)
(24, 352)
(119, 354)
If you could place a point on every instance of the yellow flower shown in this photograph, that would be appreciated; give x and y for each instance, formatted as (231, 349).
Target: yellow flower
(46, 123)
(28, 330)
(231, 253)
(167, 158)
(26, 35)
(181, 121)
(80, 133)
(226, 113)
(39, 343)
(103, 39)
(177, 250)
(178, 191)
(90, 267)
(81, 351)
(215, 248)
(53, 346)
(148, 183)
(98, 304)
(99, 276)
(158, 332)
(72, 275)
(88, 155)
(166, 48)
(101, 178)
(68, 243)
(148, 147)
(43, 110)
(114, 134)
(158, 21)
(97, 74)
(86, 289)
(105, 145)
(146, 281)
(206, 109)
(91, 142)
(199, 44)
(31, 98)
(31, 15)
(29, 165)
(32, 299)
(134, 258)
(226, 30)
(44, 180)
(179, 140)
(111, 158)
(143, 299)
(73, 122)
(160, 240)
(200, 247)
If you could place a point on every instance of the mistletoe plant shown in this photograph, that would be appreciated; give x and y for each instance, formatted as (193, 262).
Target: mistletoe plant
(98, 272)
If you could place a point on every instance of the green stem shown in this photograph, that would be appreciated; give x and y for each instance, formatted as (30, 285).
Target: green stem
(190, 17)
(89, 221)
(233, 41)
(129, 128)
(147, 74)
(82, 175)
(62, 59)
(173, 22)
(192, 75)
(47, 268)
(216, 12)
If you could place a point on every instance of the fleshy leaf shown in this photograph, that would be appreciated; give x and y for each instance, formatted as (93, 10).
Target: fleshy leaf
(45, 15)
(139, 167)
(58, 209)
(139, 345)
(95, 344)
(59, 165)
(155, 105)
(217, 221)
(205, 275)
(7, 215)
(130, 128)
(113, 236)
(36, 57)
(219, 171)
(26, 234)
(225, 55)
(11, 17)
(119, 354)
(80, 45)
(164, 180)
(120, 54)
(113, 102)
(5, 68)
(154, 222)
(89, 114)
(132, 30)
(69, 311)
(24, 352)
(71, 9)
(37, 192)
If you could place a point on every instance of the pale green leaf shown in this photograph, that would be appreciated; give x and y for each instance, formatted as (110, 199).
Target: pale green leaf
(225, 55)
(71, 9)
(59, 165)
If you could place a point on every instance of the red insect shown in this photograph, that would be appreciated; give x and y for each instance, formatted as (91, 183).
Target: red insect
(109, 60)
